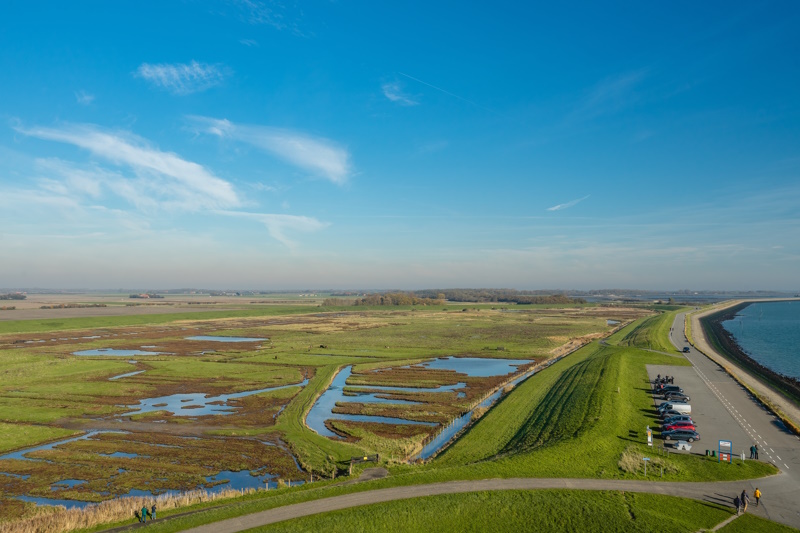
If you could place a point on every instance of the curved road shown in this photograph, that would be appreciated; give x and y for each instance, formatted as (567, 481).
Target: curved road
(721, 493)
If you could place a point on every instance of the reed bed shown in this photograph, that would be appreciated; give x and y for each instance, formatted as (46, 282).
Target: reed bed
(118, 509)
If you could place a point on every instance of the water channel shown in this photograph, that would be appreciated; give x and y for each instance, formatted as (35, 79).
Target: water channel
(322, 409)
(199, 404)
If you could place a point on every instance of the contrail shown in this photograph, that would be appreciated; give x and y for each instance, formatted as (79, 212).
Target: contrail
(568, 204)
(440, 89)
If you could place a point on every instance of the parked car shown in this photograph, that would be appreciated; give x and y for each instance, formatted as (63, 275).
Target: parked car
(669, 388)
(667, 413)
(677, 425)
(677, 418)
(688, 435)
(676, 397)
(681, 407)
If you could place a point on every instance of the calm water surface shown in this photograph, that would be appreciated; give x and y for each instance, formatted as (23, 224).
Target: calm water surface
(770, 333)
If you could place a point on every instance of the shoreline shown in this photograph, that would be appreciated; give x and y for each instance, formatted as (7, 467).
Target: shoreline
(729, 348)
(740, 365)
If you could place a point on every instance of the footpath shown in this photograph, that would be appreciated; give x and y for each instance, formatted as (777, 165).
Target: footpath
(717, 492)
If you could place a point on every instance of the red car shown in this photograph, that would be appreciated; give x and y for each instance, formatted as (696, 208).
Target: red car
(679, 425)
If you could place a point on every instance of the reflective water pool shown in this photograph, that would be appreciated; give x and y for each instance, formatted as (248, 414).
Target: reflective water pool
(322, 409)
(113, 351)
(224, 339)
(199, 404)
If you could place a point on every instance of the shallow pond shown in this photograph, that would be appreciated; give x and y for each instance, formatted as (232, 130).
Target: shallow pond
(224, 339)
(322, 409)
(198, 404)
(129, 374)
(115, 352)
(475, 366)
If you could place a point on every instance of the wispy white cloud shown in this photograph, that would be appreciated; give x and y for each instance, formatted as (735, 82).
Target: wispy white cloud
(394, 92)
(609, 95)
(321, 156)
(270, 13)
(248, 42)
(84, 98)
(183, 78)
(567, 205)
(277, 225)
(188, 184)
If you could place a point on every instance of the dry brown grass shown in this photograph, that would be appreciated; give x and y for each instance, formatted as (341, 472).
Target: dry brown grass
(115, 510)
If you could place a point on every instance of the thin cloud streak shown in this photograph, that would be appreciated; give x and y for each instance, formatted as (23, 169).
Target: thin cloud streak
(394, 92)
(567, 205)
(84, 98)
(278, 224)
(318, 155)
(182, 78)
(185, 179)
(439, 89)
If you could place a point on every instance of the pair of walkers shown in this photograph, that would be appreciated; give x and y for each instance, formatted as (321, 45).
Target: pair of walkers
(741, 501)
(754, 451)
(145, 512)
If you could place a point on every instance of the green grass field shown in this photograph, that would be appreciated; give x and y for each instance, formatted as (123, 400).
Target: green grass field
(536, 511)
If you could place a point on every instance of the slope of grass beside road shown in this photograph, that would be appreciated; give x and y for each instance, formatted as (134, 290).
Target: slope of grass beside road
(540, 510)
(592, 407)
(652, 333)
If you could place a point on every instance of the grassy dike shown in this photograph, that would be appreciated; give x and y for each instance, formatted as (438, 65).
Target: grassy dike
(535, 511)
(591, 436)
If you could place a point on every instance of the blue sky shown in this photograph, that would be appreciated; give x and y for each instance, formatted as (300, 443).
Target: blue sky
(258, 144)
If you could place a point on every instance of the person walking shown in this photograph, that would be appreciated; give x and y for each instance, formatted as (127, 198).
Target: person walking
(153, 512)
(745, 499)
(756, 447)
(144, 513)
(757, 495)
(737, 504)
(753, 451)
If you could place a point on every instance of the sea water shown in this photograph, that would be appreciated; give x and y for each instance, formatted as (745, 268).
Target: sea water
(769, 332)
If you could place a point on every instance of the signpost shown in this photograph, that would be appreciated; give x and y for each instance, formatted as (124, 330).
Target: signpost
(645, 459)
(725, 451)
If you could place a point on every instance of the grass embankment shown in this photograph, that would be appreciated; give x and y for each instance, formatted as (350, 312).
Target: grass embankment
(748, 523)
(540, 510)
(576, 412)
(652, 333)
(17, 436)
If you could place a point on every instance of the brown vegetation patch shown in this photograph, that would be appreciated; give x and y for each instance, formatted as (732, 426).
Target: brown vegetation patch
(388, 431)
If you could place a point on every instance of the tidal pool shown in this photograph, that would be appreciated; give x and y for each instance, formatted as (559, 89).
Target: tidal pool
(199, 404)
(20, 454)
(125, 375)
(115, 352)
(475, 366)
(224, 339)
(322, 409)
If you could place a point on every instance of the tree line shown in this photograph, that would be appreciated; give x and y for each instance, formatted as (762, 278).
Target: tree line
(499, 296)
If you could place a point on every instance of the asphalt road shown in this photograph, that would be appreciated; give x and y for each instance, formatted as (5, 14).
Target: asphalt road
(726, 410)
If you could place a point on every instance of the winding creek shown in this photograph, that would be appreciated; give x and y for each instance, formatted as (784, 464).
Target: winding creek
(322, 409)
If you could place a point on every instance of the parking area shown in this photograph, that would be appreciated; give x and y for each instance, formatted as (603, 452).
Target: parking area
(713, 419)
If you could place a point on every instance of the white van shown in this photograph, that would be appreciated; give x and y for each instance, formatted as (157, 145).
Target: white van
(681, 407)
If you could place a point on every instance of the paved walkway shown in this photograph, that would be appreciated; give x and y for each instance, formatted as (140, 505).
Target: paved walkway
(720, 493)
